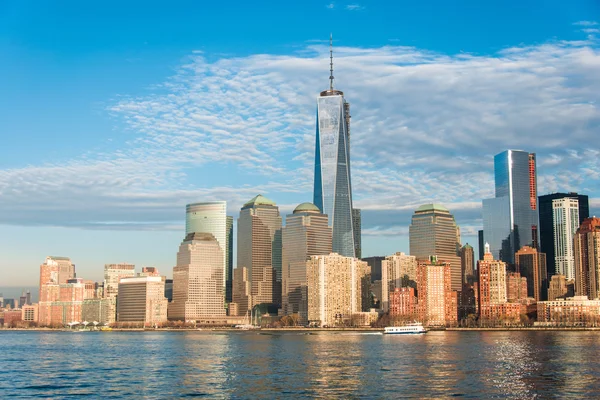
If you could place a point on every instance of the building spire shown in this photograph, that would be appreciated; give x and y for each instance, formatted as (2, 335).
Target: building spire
(330, 61)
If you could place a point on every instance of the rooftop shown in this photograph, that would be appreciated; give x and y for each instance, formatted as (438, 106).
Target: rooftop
(307, 207)
(259, 200)
(432, 207)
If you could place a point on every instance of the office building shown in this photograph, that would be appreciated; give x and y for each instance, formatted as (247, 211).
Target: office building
(397, 270)
(375, 264)
(403, 304)
(62, 303)
(433, 232)
(229, 260)
(558, 288)
(338, 288)
(57, 270)
(437, 302)
(259, 249)
(211, 217)
(546, 214)
(510, 219)
(492, 280)
(141, 300)
(481, 244)
(357, 228)
(96, 309)
(586, 250)
(566, 222)
(306, 234)
(112, 276)
(332, 183)
(467, 264)
(516, 287)
(198, 290)
(531, 264)
(242, 292)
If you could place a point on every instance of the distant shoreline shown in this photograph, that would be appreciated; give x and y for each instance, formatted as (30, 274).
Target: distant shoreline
(301, 330)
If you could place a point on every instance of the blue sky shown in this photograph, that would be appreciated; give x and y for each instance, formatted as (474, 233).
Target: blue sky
(113, 116)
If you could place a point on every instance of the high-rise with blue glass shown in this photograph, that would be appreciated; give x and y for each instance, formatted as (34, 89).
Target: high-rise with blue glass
(333, 190)
(510, 220)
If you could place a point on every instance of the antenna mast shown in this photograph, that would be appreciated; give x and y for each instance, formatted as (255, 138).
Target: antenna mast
(330, 61)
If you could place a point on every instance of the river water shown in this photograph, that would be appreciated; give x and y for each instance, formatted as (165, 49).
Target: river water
(167, 365)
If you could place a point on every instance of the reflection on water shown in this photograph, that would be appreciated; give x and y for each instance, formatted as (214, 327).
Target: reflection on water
(323, 365)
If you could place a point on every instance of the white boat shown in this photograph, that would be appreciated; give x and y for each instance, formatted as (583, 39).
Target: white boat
(414, 328)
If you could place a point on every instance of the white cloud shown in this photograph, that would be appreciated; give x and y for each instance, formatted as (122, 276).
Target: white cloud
(330, 6)
(586, 23)
(425, 127)
(354, 7)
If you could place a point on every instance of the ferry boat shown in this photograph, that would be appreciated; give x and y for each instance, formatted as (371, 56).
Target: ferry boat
(407, 329)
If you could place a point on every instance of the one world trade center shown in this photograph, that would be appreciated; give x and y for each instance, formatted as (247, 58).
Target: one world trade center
(333, 190)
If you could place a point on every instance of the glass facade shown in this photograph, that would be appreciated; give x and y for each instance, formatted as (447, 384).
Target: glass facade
(333, 190)
(516, 189)
(211, 217)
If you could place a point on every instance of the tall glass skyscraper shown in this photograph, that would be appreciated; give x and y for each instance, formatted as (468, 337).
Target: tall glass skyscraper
(211, 217)
(510, 220)
(333, 189)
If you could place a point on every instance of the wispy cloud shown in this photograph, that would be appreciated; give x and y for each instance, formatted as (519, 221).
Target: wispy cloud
(425, 127)
(585, 23)
(354, 7)
(330, 6)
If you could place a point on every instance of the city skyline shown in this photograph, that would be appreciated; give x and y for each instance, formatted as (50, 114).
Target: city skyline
(116, 194)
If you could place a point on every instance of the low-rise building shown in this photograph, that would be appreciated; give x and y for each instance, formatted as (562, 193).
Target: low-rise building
(578, 310)
(141, 300)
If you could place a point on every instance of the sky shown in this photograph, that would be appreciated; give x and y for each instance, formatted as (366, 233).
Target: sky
(114, 115)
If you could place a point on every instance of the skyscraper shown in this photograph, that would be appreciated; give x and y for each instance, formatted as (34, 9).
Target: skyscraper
(566, 222)
(586, 246)
(357, 226)
(211, 217)
(333, 188)
(547, 223)
(531, 264)
(305, 234)
(197, 279)
(259, 249)
(229, 261)
(433, 232)
(467, 262)
(510, 219)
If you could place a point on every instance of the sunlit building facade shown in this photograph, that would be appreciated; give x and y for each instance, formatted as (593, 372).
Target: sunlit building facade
(566, 222)
(338, 288)
(211, 217)
(397, 270)
(142, 300)
(437, 302)
(433, 232)
(306, 233)
(586, 246)
(546, 216)
(197, 279)
(112, 276)
(259, 249)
